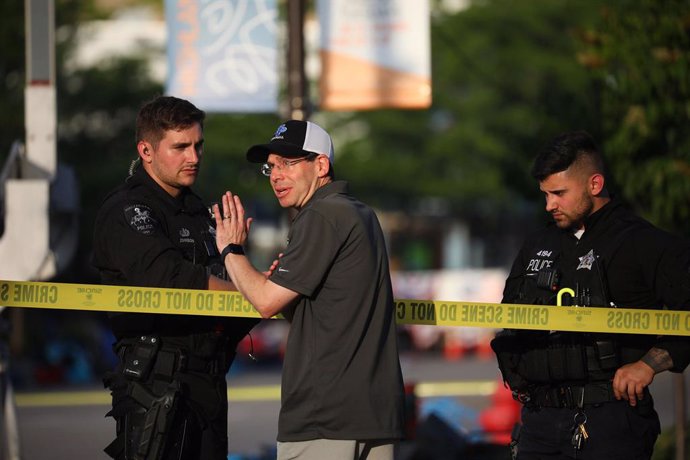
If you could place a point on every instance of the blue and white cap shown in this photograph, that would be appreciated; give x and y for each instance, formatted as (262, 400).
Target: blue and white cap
(294, 139)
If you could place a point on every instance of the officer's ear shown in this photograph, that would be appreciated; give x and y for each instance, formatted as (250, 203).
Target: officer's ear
(145, 150)
(596, 184)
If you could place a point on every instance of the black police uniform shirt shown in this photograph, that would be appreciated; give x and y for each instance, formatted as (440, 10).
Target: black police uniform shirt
(341, 373)
(620, 260)
(145, 237)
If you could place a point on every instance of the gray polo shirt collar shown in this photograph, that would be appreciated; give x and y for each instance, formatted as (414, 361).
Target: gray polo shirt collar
(332, 188)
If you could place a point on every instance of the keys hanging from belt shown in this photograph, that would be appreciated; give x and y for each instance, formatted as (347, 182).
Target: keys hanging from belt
(580, 434)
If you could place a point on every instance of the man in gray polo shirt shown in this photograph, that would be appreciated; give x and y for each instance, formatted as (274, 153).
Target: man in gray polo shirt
(342, 389)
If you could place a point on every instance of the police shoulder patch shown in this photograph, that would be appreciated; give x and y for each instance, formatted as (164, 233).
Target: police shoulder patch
(141, 218)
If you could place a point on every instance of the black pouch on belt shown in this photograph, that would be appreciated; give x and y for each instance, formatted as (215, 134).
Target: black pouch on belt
(568, 363)
(534, 366)
(140, 356)
(608, 354)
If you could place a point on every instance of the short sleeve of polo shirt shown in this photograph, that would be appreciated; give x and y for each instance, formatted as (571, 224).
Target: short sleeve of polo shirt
(312, 248)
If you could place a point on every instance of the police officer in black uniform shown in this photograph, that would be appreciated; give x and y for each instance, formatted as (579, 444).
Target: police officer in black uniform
(169, 389)
(585, 395)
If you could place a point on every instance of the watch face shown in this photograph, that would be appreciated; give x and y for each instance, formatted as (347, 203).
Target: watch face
(232, 249)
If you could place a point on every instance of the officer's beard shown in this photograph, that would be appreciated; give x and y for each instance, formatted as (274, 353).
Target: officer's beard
(575, 219)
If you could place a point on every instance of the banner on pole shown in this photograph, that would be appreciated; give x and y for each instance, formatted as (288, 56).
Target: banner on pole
(375, 54)
(222, 54)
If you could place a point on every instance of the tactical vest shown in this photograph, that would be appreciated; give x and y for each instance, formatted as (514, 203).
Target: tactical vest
(558, 261)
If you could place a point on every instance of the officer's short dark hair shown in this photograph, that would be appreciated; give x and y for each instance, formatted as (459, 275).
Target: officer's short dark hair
(164, 113)
(563, 151)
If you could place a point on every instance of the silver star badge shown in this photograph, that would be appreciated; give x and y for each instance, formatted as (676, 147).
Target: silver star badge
(587, 260)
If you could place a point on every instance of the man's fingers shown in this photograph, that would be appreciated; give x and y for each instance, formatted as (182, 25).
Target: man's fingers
(232, 206)
(614, 384)
(238, 208)
(226, 208)
(621, 393)
(216, 214)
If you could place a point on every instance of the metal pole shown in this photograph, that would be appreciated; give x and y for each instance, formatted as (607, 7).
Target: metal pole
(39, 164)
(9, 434)
(4, 436)
(679, 415)
(297, 87)
(40, 93)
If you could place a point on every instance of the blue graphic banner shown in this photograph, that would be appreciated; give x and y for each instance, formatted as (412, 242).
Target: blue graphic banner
(222, 54)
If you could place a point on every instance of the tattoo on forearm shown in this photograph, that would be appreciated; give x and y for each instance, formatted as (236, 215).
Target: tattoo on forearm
(658, 359)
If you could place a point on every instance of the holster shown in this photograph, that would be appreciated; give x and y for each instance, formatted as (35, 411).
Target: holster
(159, 416)
(143, 419)
(143, 416)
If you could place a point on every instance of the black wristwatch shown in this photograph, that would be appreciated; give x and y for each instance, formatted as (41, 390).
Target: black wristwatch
(231, 249)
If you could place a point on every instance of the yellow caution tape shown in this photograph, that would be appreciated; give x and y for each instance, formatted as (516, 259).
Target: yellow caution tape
(64, 296)
(95, 297)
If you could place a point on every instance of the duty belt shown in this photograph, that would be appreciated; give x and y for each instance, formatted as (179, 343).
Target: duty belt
(571, 396)
(170, 361)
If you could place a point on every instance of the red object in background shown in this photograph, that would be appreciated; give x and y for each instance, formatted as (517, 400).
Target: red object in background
(49, 374)
(453, 348)
(484, 350)
(411, 411)
(498, 420)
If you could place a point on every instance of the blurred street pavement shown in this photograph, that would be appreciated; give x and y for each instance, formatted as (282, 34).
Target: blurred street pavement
(69, 423)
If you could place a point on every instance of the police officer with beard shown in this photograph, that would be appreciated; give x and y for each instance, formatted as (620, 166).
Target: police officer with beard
(169, 389)
(585, 395)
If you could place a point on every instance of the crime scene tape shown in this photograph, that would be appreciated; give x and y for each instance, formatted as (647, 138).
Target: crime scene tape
(93, 297)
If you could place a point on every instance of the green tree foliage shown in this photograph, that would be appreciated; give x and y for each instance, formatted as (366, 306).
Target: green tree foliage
(641, 55)
(97, 108)
(505, 79)
(507, 76)
(226, 168)
(12, 75)
(13, 63)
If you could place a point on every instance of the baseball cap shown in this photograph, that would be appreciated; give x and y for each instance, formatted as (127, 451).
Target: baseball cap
(294, 138)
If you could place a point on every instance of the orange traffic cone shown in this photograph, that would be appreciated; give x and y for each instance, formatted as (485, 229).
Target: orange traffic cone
(498, 420)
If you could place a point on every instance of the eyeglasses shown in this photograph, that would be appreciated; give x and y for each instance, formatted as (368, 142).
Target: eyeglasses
(267, 168)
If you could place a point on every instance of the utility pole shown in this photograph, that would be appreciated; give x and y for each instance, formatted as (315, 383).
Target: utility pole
(41, 118)
(25, 180)
(298, 98)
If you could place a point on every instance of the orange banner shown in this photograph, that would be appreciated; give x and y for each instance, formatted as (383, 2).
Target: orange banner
(375, 54)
